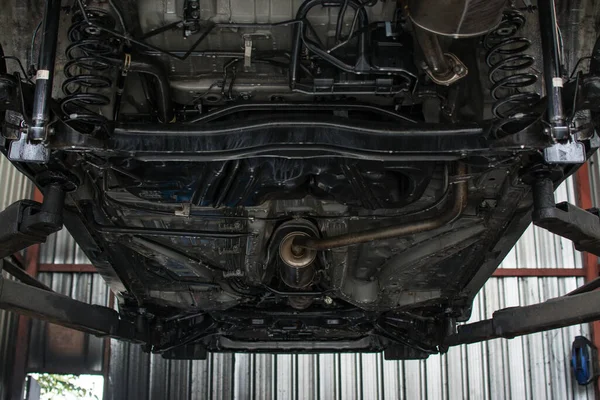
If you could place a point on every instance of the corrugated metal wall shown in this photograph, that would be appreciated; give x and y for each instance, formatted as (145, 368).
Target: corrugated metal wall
(13, 186)
(535, 366)
(594, 164)
(60, 248)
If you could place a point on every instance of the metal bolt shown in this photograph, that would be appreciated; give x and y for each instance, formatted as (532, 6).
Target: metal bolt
(328, 300)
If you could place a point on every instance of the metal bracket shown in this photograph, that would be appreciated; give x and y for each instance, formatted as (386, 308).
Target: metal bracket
(23, 150)
(247, 52)
(456, 71)
(191, 17)
(572, 152)
(249, 39)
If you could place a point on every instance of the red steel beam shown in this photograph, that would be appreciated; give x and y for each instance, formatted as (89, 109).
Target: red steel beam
(539, 272)
(19, 258)
(590, 261)
(84, 268)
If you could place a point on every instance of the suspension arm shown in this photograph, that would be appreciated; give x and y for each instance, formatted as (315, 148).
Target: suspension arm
(516, 321)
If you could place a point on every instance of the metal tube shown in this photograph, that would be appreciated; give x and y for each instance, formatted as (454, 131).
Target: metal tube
(243, 107)
(299, 37)
(454, 210)
(167, 232)
(432, 51)
(45, 74)
(297, 270)
(552, 68)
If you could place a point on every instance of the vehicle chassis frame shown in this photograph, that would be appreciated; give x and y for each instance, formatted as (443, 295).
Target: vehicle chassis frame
(426, 142)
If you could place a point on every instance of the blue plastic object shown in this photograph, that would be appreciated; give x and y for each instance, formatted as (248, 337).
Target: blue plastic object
(584, 360)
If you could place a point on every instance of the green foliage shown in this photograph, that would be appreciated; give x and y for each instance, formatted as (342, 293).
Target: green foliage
(62, 385)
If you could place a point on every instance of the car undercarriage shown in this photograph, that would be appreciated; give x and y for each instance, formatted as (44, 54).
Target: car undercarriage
(317, 175)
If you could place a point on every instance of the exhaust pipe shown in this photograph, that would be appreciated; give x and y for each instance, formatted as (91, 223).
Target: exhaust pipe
(298, 270)
(452, 212)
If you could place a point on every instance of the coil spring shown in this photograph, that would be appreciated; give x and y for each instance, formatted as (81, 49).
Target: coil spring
(87, 70)
(509, 68)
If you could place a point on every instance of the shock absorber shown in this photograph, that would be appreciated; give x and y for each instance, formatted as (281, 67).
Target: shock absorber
(510, 71)
(559, 129)
(88, 87)
(45, 74)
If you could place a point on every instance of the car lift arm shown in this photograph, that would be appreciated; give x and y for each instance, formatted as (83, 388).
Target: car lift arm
(564, 219)
(62, 310)
(27, 222)
(516, 321)
(14, 267)
(582, 305)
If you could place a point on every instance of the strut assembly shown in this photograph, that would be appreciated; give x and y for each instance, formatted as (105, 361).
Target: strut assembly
(38, 131)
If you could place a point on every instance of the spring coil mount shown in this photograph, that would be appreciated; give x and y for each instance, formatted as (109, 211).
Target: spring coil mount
(88, 83)
(510, 70)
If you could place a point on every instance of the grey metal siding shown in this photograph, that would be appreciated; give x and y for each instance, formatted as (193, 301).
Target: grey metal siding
(61, 248)
(8, 327)
(13, 187)
(594, 164)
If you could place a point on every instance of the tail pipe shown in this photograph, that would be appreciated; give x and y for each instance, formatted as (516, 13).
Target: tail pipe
(452, 212)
